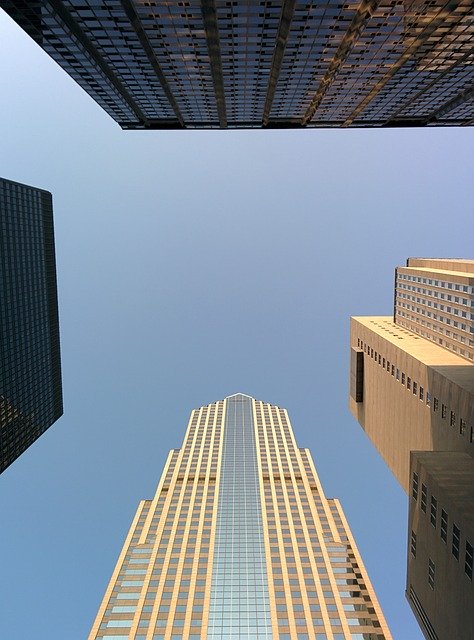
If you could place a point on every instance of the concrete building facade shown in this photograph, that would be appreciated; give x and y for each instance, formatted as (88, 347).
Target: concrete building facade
(440, 543)
(239, 542)
(417, 396)
(412, 391)
(435, 299)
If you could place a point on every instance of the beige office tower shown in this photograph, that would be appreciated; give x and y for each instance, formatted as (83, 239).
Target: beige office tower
(239, 543)
(412, 391)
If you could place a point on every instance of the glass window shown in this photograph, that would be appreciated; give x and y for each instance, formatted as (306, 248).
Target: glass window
(468, 560)
(444, 526)
(424, 497)
(431, 573)
(456, 541)
(414, 493)
(433, 511)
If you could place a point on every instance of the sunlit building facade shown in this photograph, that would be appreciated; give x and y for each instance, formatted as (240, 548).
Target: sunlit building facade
(412, 391)
(284, 63)
(30, 365)
(239, 542)
(434, 298)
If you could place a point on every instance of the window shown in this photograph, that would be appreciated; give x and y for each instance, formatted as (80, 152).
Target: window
(471, 435)
(462, 427)
(428, 399)
(414, 492)
(422, 393)
(424, 497)
(452, 420)
(413, 544)
(408, 382)
(433, 511)
(444, 526)
(403, 378)
(443, 411)
(456, 541)
(393, 369)
(431, 573)
(468, 560)
(398, 374)
(435, 404)
(415, 388)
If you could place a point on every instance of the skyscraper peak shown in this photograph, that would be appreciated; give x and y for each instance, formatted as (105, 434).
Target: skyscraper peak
(239, 543)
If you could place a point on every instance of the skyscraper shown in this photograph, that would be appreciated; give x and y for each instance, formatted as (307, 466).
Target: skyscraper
(287, 63)
(239, 542)
(433, 298)
(30, 367)
(412, 391)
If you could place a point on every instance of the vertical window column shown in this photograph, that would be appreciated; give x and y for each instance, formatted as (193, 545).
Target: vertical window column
(239, 604)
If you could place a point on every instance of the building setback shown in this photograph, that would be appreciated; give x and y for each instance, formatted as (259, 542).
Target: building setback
(412, 391)
(239, 542)
(288, 63)
(30, 367)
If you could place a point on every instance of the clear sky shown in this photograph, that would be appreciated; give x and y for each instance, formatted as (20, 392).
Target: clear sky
(193, 265)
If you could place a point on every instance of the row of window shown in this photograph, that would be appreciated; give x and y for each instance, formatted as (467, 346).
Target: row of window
(436, 333)
(437, 283)
(435, 294)
(436, 305)
(194, 636)
(434, 315)
(436, 328)
(444, 521)
(418, 391)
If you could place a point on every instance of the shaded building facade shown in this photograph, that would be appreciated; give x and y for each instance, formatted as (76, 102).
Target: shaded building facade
(288, 63)
(239, 542)
(412, 391)
(440, 588)
(30, 367)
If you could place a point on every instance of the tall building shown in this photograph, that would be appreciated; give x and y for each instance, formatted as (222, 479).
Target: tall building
(434, 298)
(285, 63)
(30, 367)
(239, 542)
(412, 391)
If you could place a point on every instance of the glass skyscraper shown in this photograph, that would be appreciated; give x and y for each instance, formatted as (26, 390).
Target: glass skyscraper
(270, 64)
(239, 543)
(30, 366)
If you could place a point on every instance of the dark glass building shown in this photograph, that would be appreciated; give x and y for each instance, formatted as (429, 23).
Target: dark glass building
(30, 367)
(285, 63)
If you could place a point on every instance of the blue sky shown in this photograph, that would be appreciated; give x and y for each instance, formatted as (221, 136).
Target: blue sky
(193, 265)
